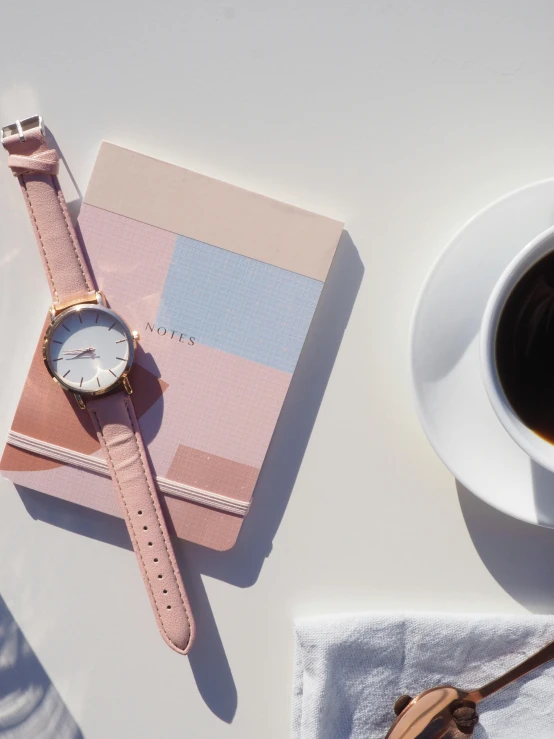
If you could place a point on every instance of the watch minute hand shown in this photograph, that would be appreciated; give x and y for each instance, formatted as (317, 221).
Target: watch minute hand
(79, 351)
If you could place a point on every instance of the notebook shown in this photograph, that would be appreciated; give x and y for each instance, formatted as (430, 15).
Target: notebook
(222, 285)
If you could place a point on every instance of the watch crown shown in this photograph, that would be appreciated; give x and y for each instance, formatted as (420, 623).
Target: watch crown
(135, 335)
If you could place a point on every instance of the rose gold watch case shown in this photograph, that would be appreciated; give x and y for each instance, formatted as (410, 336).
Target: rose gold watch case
(58, 317)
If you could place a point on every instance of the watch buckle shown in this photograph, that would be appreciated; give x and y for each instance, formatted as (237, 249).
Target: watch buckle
(20, 126)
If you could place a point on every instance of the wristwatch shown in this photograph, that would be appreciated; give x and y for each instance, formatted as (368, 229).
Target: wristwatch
(88, 350)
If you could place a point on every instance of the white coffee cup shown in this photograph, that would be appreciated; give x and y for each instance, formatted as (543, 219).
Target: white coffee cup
(532, 444)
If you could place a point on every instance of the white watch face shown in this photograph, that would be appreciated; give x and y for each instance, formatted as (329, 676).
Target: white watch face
(88, 349)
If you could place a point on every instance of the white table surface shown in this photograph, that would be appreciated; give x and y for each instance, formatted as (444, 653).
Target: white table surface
(401, 118)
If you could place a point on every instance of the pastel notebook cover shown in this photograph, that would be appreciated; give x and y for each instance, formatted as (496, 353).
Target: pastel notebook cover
(222, 285)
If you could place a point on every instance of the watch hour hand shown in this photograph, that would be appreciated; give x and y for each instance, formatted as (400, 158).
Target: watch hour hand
(77, 352)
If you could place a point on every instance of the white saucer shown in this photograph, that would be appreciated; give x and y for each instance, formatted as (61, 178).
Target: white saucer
(452, 403)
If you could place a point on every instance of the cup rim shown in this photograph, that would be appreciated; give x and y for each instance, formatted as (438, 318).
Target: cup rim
(538, 449)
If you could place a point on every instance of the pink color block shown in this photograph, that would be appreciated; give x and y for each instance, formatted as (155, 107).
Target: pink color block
(121, 252)
(73, 485)
(215, 402)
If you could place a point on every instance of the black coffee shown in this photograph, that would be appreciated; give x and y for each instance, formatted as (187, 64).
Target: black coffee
(525, 348)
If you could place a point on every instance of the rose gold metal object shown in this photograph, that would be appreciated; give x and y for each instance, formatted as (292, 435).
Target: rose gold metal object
(446, 711)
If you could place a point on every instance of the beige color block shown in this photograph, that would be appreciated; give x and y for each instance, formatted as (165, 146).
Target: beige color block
(212, 211)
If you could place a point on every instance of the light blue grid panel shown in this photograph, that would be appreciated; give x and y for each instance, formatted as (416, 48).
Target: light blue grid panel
(236, 304)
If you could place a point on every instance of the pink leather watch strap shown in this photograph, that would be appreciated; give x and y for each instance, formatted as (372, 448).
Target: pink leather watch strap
(117, 427)
(36, 168)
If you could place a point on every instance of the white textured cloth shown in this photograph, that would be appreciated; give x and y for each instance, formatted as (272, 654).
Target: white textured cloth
(350, 669)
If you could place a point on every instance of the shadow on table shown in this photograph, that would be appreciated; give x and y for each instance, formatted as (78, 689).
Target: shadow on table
(519, 555)
(241, 565)
(30, 705)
